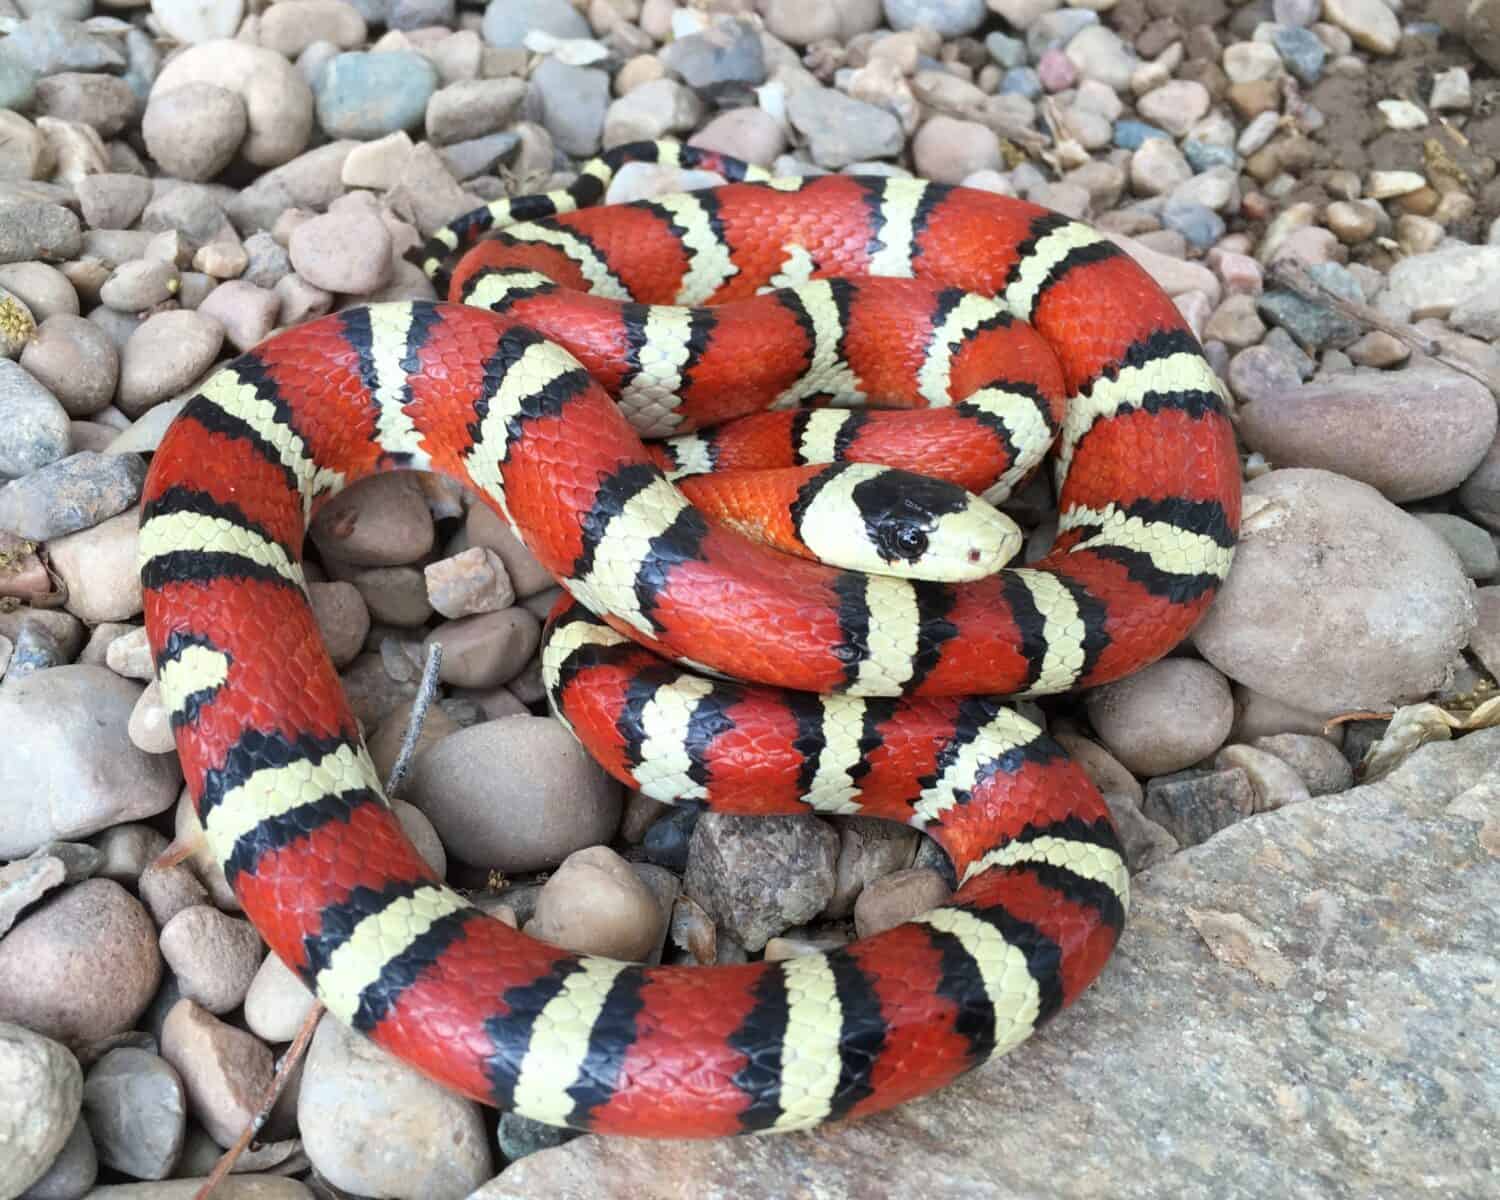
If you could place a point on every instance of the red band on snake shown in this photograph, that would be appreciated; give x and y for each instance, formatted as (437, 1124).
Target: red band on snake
(831, 691)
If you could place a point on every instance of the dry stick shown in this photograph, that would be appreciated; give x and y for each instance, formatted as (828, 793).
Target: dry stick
(284, 1070)
(1291, 276)
(426, 691)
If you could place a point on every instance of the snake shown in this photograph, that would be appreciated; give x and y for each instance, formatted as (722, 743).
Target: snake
(809, 325)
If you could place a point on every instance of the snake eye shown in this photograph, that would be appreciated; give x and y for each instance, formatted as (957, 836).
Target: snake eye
(911, 542)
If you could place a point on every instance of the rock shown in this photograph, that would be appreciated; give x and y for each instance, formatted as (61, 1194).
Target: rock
(73, 493)
(381, 521)
(236, 1187)
(140, 284)
(24, 882)
(193, 131)
(869, 849)
(897, 898)
(1434, 428)
(169, 351)
(247, 313)
(1433, 284)
(488, 649)
(277, 1002)
(1273, 782)
(1195, 805)
(595, 904)
(946, 150)
(1098, 53)
(1371, 24)
(758, 876)
(48, 43)
(224, 1070)
(1318, 762)
(1175, 106)
(213, 956)
(1450, 90)
(191, 23)
(725, 58)
(947, 18)
(518, 1136)
(841, 131)
(81, 965)
(76, 361)
(278, 103)
(44, 290)
(70, 770)
(507, 22)
(1165, 717)
(73, 1171)
(653, 110)
(291, 26)
(572, 102)
(39, 1104)
(102, 102)
(472, 108)
(1325, 563)
(375, 1127)
(1302, 52)
(472, 581)
(1485, 643)
(367, 96)
(1243, 1006)
(136, 1110)
(33, 424)
(1475, 548)
(312, 181)
(101, 569)
(553, 801)
(169, 890)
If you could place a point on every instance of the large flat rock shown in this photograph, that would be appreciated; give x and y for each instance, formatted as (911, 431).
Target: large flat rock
(1304, 1006)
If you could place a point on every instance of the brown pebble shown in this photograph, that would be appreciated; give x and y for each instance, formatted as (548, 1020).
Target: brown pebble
(896, 898)
(596, 904)
(226, 1071)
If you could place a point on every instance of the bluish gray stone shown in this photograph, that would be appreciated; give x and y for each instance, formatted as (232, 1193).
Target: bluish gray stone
(17, 81)
(1130, 133)
(144, 62)
(519, 1136)
(507, 22)
(1302, 51)
(950, 18)
(73, 493)
(1203, 155)
(573, 101)
(34, 428)
(1198, 223)
(723, 58)
(841, 130)
(418, 14)
(1056, 29)
(48, 44)
(1022, 81)
(1006, 50)
(367, 96)
(1314, 326)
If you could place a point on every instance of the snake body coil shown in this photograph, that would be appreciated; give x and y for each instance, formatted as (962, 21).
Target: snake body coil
(998, 324)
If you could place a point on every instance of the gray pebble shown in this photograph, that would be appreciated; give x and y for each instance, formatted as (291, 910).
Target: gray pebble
(1319, 763)
(213, 955)
(841, 131)
(17, 83)
(49, 43)
(1194, 805)
(36, 648)
(723, 60)
(136, 1109)
(33, 424)
(72, 1173)
(507, 22)
(1475, 548)
(39, 1104)
(758, 876)
(103, 102)
(949, 18)
(572, 102)
(24, 882)
(421, 14)
(73, 493)
(36, 229)
(168, 352)
(519, 1136)
(367, 96)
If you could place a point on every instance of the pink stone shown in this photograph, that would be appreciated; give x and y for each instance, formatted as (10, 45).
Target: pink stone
(1056, 70)
(1240, 273)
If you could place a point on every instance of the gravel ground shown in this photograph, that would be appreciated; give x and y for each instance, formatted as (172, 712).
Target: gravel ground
(1312, 181)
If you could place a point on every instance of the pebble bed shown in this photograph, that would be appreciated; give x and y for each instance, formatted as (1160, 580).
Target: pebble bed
(181, 179)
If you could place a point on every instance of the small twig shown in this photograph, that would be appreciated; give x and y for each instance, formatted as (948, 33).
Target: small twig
(176, 852)
(1358, 715)
(426, 690)
(284, 1070)
(1291, 276)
